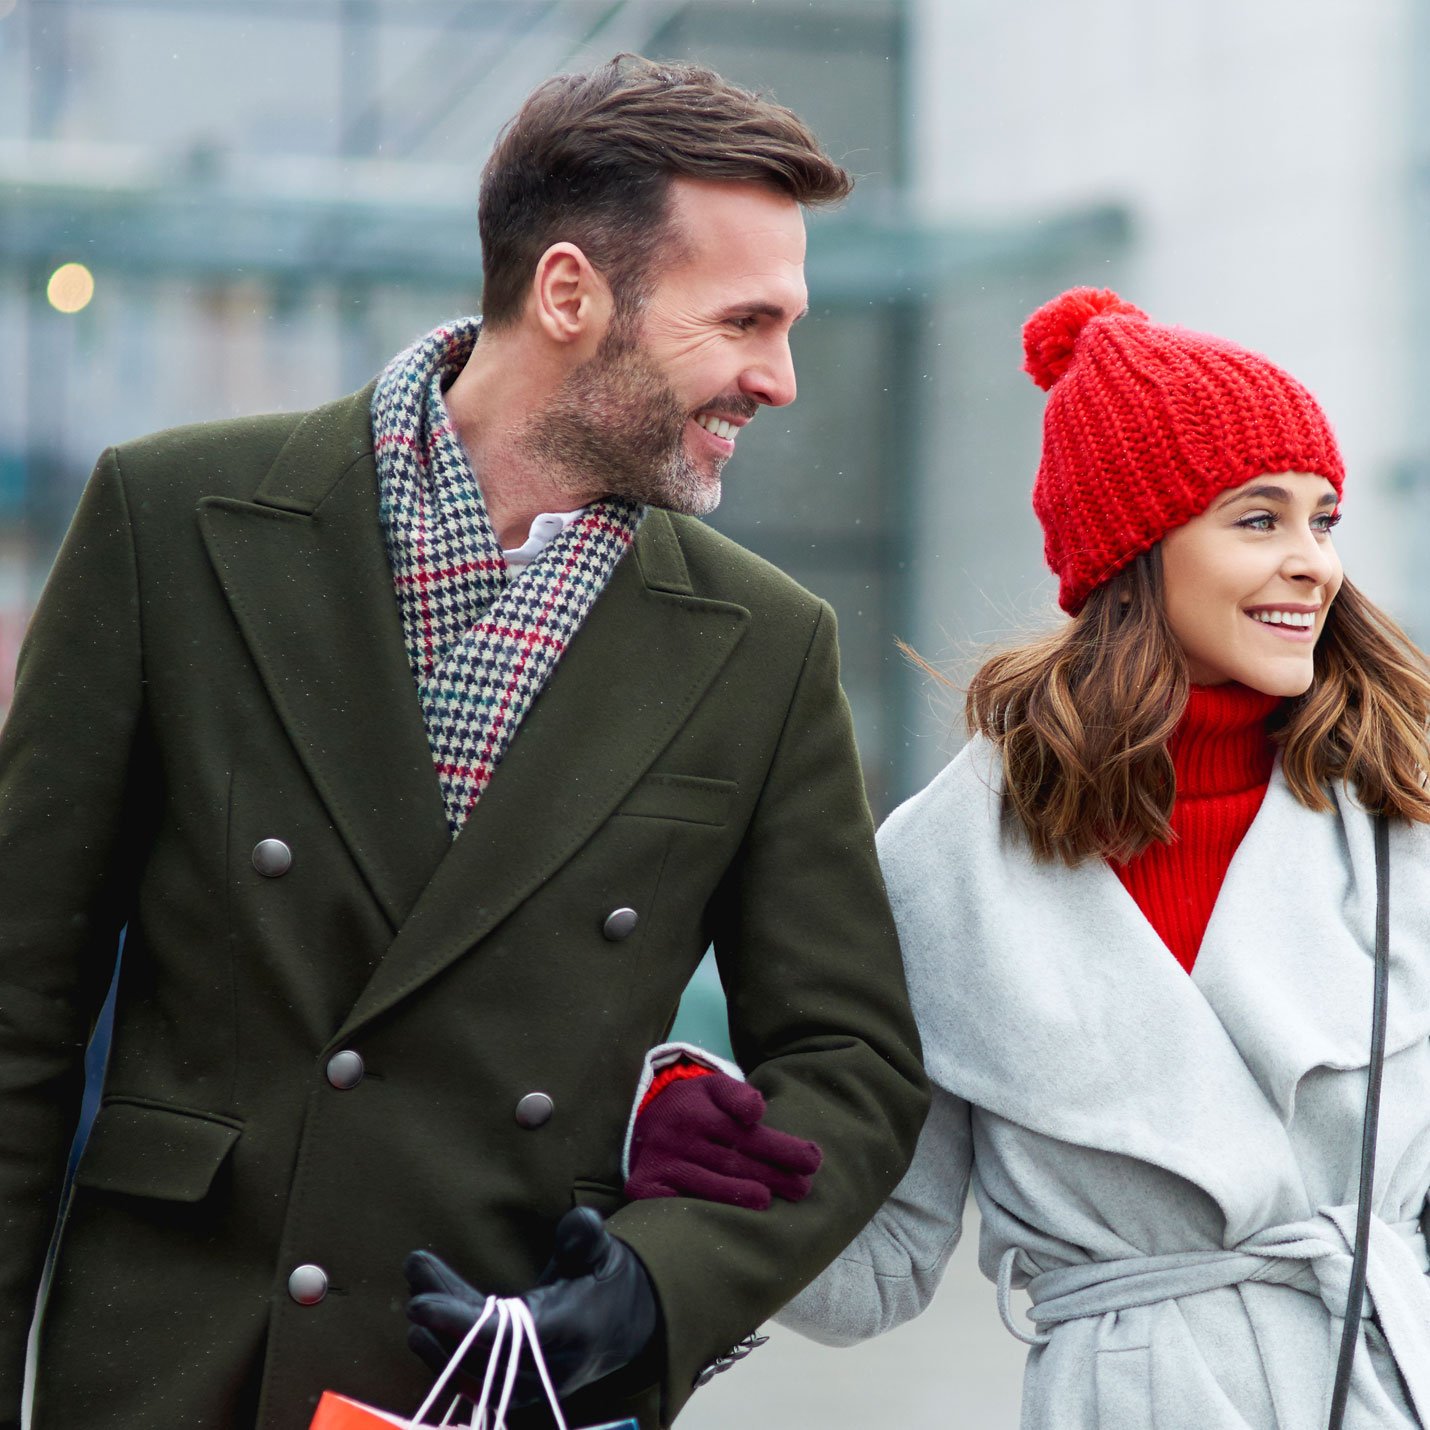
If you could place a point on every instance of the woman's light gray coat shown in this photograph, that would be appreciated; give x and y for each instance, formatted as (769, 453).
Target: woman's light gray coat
(1167, 1163)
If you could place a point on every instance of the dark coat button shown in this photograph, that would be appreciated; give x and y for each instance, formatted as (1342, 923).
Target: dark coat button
(620, 923)
(272, 857)
(345, 1069)
(534, 1109)
(308, 1284)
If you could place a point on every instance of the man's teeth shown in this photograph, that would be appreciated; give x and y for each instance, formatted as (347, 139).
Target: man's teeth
(718, 426)
(1303, 619)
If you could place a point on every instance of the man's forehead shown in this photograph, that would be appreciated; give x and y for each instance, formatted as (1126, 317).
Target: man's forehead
(707, 207)
(742, 243)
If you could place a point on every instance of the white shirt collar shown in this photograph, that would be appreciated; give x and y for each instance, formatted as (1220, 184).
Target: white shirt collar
(545, 527)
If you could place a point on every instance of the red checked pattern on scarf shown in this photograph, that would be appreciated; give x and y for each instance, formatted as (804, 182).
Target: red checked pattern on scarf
(481, 645)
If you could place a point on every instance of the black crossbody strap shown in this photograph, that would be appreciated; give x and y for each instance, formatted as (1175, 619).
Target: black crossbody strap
(1351, 1331)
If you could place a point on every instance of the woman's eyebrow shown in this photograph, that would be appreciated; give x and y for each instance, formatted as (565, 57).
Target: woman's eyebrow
(1270, 493)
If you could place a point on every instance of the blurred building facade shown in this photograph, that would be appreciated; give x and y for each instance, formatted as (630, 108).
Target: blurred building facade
(274, 198)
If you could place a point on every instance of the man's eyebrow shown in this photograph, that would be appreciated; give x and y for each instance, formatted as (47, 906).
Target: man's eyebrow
(1269, 493)
(777, 311)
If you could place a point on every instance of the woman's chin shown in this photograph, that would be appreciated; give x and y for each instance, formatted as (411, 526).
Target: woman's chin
(1286, 680)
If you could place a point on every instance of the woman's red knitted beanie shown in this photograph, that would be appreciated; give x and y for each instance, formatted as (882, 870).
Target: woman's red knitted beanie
(1145, 424)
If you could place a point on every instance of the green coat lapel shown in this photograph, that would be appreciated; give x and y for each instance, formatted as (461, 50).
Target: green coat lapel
(305, 572)
(633, 673)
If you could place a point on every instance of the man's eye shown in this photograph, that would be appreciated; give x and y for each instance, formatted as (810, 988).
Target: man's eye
(744, 324)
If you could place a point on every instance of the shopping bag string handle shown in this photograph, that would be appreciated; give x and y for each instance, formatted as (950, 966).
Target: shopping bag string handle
(512, 1313)
(521, 1314)
(451, 1369)
(504, 1324)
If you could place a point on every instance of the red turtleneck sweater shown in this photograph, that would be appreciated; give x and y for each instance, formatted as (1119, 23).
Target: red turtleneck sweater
(1223, 761)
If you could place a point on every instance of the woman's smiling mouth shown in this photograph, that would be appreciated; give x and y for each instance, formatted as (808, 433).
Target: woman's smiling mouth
(1292, 622)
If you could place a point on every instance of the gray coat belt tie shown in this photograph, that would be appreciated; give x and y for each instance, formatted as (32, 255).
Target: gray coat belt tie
(1313, 1256)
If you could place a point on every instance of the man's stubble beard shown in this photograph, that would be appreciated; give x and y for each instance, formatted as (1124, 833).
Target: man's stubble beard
(616, 427)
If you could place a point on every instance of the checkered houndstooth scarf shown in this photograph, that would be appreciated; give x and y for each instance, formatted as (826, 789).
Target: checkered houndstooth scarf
(481, 645)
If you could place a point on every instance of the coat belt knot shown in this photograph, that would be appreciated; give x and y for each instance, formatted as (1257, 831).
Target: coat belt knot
(1313, 1256)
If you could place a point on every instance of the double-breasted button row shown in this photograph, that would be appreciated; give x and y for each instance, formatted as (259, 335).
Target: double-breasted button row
(346, 1069)
(272, 858)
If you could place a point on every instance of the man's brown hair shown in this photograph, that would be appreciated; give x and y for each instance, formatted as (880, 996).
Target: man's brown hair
(1083, 715)
(588, 159)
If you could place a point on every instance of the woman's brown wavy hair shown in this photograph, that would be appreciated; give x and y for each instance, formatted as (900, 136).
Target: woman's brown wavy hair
(1082, 718)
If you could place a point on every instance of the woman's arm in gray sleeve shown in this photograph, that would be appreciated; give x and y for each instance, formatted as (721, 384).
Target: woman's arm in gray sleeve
(890, 1271)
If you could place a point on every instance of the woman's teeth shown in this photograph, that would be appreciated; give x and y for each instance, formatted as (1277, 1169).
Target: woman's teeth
(1304, 619)
(718, 426)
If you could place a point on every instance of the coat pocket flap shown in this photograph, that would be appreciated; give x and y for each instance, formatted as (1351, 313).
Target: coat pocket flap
(146, 1150)
(690, 798)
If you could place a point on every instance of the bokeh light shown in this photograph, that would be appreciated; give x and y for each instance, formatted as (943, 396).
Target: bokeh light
(71, 285)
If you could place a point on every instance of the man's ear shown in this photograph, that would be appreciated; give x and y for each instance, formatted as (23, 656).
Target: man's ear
(572, 302)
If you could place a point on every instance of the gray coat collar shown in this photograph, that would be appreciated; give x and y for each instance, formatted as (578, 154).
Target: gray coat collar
(1046, 998)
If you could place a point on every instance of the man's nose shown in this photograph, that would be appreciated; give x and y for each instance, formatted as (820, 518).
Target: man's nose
(770, 379)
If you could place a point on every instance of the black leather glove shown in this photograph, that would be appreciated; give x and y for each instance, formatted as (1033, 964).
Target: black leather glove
(594, 1309)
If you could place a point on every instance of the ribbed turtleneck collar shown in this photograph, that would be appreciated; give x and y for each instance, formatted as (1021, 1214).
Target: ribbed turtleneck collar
(1220, 745)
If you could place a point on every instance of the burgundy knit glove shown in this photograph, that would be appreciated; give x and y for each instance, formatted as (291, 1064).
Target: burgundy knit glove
(703, 1137)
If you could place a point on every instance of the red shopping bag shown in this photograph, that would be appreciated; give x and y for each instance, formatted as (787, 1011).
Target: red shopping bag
(338, 1412)
(488, 1412)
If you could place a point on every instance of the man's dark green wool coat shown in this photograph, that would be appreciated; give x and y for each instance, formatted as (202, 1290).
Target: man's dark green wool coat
(218, 661)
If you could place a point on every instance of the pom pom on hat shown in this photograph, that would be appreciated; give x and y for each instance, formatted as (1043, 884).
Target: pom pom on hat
(1144, 425)
(1051, 334)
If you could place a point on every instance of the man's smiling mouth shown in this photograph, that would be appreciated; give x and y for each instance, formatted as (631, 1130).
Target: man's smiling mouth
(719, 426)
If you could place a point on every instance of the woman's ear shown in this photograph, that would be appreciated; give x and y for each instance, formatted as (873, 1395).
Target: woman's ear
(572, 303)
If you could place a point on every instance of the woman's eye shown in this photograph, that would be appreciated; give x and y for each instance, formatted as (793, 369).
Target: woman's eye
(1326, 522)
(1258, 521)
